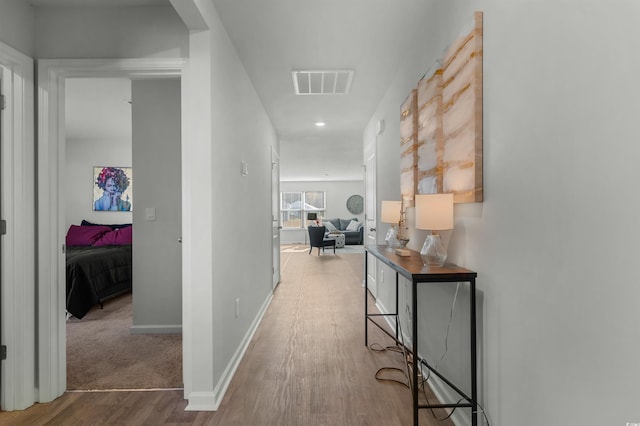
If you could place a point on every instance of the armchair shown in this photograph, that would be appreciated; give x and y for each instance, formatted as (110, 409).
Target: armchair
(316, 239)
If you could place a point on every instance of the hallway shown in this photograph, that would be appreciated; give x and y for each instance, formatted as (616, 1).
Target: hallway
(306, 365)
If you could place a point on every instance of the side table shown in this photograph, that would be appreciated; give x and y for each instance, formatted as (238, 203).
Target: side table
(412, 268)
(340, 239)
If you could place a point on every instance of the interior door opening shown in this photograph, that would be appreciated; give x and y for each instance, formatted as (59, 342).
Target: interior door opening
(100, 122)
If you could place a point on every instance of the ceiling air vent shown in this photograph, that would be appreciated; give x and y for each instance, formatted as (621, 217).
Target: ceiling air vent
(337, 82)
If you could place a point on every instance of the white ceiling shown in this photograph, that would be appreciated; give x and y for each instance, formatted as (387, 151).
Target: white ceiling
(275, 37)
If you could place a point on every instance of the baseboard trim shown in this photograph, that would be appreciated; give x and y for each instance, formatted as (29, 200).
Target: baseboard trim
(155, 329)
(201, 401)
(442, 393)
(232, 366)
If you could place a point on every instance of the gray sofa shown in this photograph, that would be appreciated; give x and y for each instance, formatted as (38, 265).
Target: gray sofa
(350, 237)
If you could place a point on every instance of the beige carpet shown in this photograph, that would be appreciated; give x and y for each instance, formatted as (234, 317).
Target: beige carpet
(102, 354)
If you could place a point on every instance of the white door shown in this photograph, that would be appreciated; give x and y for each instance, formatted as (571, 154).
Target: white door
(2, 223)
(370, 219)
(157, 213)
(275, 216)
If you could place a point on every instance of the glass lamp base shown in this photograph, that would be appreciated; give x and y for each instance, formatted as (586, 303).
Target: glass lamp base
(433, 252)
(402, 242)
(392, 237)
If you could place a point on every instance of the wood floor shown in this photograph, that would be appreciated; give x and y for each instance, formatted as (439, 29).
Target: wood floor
(306, 365)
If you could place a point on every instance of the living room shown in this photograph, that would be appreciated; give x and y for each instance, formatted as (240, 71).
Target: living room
(336, 195)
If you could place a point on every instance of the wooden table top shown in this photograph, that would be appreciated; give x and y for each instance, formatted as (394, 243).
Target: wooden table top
(413, 268)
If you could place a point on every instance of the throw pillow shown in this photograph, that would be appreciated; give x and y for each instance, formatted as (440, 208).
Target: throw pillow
(117, 237)
(114, 226)
(85, 235)
(353, 226)
(343, 224)
(330, 226)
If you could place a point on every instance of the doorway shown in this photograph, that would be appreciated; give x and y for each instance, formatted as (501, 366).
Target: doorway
(51, 287)
(120, 124)
(275, 216)
(370, 221)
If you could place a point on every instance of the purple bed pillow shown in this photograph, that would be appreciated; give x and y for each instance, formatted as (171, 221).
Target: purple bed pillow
(85, 235)
(117, 237)
(112, 226)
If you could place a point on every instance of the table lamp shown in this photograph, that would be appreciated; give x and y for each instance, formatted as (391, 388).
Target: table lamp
(313, 216)
(391, 214)
(434, 212)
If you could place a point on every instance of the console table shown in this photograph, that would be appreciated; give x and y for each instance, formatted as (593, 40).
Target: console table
(412, 268)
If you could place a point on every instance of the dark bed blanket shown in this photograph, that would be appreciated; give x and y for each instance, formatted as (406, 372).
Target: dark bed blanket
(95, 274)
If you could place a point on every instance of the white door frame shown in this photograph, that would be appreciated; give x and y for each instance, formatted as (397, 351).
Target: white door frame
(370, 230)
(275, 216)
(18, 245)
(51, 222)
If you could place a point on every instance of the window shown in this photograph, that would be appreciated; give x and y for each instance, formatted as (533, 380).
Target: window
(294, 207)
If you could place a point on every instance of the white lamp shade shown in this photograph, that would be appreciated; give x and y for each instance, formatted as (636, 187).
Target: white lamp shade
(390, 211)
(434, 212)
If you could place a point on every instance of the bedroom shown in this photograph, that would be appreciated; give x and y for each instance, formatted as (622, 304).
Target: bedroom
(106, 127)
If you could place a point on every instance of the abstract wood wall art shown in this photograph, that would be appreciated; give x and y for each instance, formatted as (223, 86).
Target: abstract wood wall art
(448, 144)
(462, 116)
(430, 141)
(408, 159)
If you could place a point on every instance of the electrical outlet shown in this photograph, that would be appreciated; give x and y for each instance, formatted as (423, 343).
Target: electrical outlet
(237, 307)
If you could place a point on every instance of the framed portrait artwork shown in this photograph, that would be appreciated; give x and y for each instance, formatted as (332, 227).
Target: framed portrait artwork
(112, 189)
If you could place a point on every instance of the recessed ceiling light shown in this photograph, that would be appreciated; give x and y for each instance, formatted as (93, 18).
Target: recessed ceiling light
(320, 124)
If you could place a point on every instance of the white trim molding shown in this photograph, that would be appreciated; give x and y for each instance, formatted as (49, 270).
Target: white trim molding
(156, 329)
(51, 336)
(18, 245)
(205, 401)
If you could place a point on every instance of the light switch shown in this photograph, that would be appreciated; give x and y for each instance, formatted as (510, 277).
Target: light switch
(151, 213)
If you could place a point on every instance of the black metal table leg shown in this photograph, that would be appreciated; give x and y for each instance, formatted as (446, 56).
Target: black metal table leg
(397, 311)
(414, 340)
(366, 305)
(474, 350)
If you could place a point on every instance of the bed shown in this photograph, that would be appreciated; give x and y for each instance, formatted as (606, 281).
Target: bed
(98, 265)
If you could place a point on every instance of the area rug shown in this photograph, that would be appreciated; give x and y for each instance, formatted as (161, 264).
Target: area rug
(102, 353)
(302, 248)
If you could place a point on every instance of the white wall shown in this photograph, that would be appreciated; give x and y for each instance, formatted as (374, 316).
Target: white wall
(86, 101)
(554, 242)
(157, 284)
(337, 193)
(225, 120)
(229, 256)
(17, 25)
(109, 32)
(241, 204)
